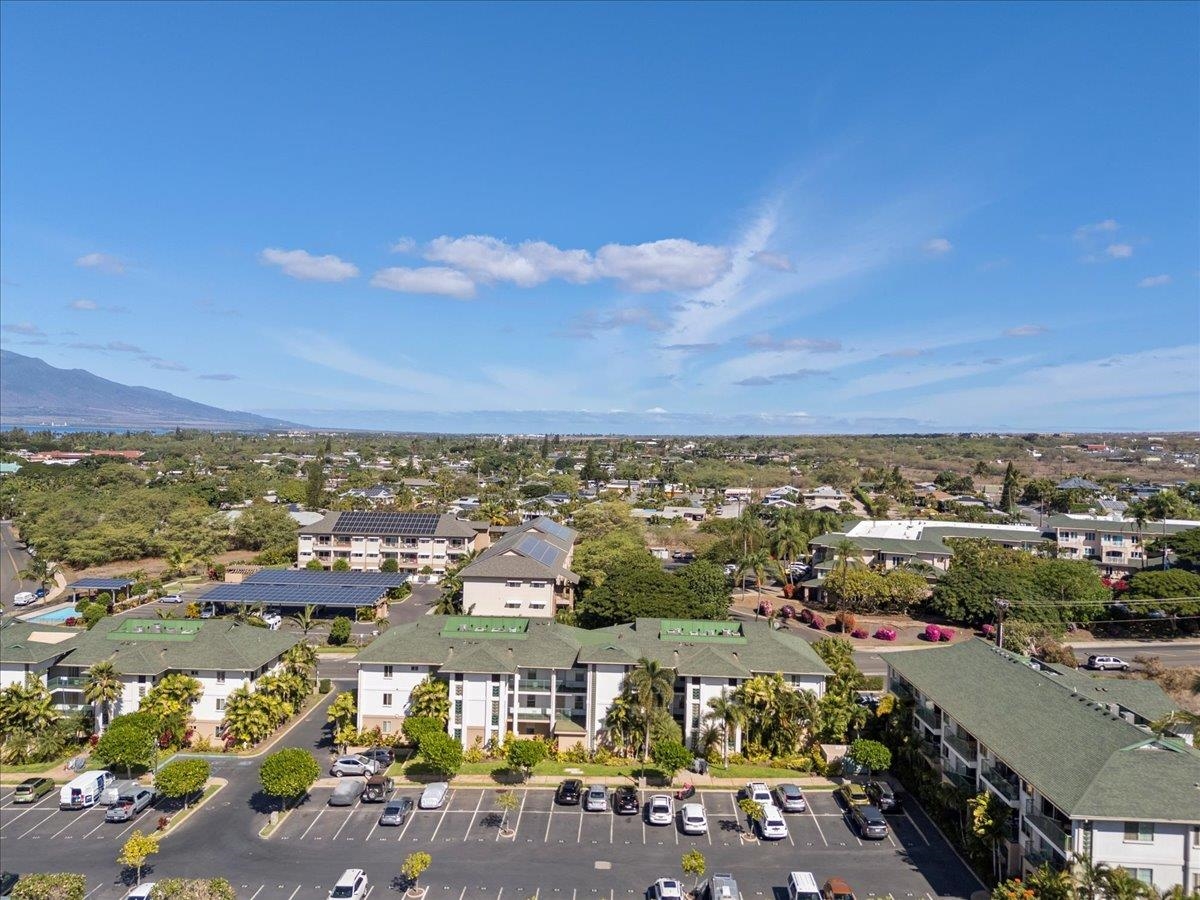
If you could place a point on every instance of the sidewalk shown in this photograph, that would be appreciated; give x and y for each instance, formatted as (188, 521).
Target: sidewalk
(549, 782)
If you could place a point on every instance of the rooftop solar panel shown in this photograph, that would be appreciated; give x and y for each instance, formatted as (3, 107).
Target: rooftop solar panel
(327, 579)
(362, 522)
(289, 595)
(99, 584)
(535, 548)
(549, 526)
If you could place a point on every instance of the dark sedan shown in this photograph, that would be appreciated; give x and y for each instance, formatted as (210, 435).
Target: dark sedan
(382, 755)
(396, 812)
(569, 792)
(625, 801)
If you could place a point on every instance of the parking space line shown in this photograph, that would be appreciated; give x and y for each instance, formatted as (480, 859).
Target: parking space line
(412, 814)
(917, 827)
(374, 825)
(817, 822)
(64, 828)
(549, 819)
(579, 833)
(316, 819)
(90, 833)
(93, 890)
(259, 891)
(35, 826)
(890, 841)
(474, 817)
(349, 816)
(445, 809)
(25, 812)
(520, 812)
(642, 812)
(612, 818)
(295, 892)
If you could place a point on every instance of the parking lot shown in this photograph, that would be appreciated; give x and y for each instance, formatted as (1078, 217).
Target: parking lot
(45, 821)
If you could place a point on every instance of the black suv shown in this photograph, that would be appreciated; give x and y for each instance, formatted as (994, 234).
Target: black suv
(569, 792)
(883, 796)
(625, 801)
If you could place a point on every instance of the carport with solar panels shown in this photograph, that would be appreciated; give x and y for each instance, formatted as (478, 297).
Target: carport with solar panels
(334, 592)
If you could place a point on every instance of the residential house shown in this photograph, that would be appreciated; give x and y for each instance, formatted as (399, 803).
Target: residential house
(1080, 778)
(525, 573)
(366, 540)
(536, 677)
(1116, 545)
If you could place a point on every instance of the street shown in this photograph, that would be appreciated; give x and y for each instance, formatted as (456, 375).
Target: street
(13, 559)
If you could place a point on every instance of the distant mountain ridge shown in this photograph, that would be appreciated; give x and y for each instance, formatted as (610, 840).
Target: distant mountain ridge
(33, 392)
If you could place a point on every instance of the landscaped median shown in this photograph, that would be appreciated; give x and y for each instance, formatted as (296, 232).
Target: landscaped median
(173, 822)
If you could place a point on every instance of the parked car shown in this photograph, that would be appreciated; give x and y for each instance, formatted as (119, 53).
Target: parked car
(772, 827)
(170, 598)
(32, 789)
(351, 886)
(141, 891)
(378, 789)
(347, 792)
(129, 805)
(722, 887)
(836, 889)
(693, 819)
(569, 792)
(660, 810)
(852, 794)
(8, 881)
(1104, 663)
(353, 765)
(883, 796)
(434, 795)
(665, 889)
(802, 886)
(23, 598)
(596, 798)
(790, 798)
(759, 792)
(868, 821)
(385, 756)
(396, 811)
(272, 620)
(208, 611)
(625, 801)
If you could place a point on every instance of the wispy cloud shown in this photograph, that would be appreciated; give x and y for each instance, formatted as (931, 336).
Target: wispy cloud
(404, 245)
(26, 328)
(1154, 281)
(812, 345)
(107, 347)
(780, 378)
(1104, 226)
(302, 265)
(938, 246)
(1119, 251)
(437, 280)
(905, 353)
(85, 305)
(101, 262)
(1025, 331)
(777, 261)
(210, 306)
(691, 348)
(168, 365)
(588, 323)
(217, 376)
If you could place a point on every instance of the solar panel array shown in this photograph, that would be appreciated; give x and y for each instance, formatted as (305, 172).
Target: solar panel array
(293, 595)
(365, 523)
(552, 528)
(99, 584)
(535, 548)
(378, 580)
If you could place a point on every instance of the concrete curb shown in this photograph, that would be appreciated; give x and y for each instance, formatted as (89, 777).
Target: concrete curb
(179, 820)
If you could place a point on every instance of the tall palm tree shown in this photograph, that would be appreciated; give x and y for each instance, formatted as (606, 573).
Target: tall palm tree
(651, 685)
(39, 570)
(788, 543)
(755, 563)
(621, 722)
(103, 689)
(301, 659)
(726, 709)
(305, 618)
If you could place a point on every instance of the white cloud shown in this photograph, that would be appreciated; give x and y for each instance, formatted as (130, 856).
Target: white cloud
(812, 345)
(588, 323)
(1106, 226)
(1154, 281)
(780, 377)
(167, 364)
(656, 409)
(1119, 251)
(26, 328)
(102, 262)
(1026, 331)
(670, 265)
(84, 304)
(938, 246)
(404, 245)
(218, 376)
(777, 261)
(436, 280)
(303, 265)
(114, 346)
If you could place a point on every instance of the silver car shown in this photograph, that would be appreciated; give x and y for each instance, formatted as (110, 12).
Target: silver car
(434, 795)
(596, 798)
(790, 798)
(353, 765)
(693, 819)
(660, 810)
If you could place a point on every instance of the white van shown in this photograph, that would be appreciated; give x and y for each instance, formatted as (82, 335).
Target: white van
(802, 886)
(84, 790)
(24, 598)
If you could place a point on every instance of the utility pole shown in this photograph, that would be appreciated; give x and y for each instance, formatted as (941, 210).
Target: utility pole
(1002, 606)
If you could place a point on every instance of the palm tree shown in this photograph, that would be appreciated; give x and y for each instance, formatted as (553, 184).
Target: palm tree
(621, 723)
(1120, 884)
(430, 697)
(301, 659)
(305, 618)
(726, 709)
(788, 543)
(179, 560)
(39, 570)
(651, 686)
(103, 689)
(26, 708)
(754, 563)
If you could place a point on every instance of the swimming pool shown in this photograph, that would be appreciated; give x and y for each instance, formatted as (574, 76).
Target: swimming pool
(55, 616)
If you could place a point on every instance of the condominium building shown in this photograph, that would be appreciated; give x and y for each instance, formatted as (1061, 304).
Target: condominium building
(1115, 544)
(221, 654)
(1082, 780)
(366, 540)
(525, 573)
(537, 677)
(30, 649)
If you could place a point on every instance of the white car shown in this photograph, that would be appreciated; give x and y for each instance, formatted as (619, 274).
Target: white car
(772, 827)
(660, 810)
(693, 818)
(666, 889)
(351, 886)
(434, 795)
(759, 792)
(171, 598)
(272, 620)
(141, 891)
(24, 598)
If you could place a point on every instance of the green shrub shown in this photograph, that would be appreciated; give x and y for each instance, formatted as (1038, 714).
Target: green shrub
(325, 686)
(57, 886)
(339, 631)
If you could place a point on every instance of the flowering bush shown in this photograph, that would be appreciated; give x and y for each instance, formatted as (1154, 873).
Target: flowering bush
(933, 633)
(885, 634)
(817, 622)
(988, 630)
(788, 612)
(858, 633)
(72, 621)
(946, 635)
(806, 615)
(765, 608)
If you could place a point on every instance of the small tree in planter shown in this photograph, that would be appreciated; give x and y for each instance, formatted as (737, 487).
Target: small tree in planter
(413, 868)
(693, 863)
(506, 801)
(871, 755)
(752, 809)
(524, 755)
(847, 621)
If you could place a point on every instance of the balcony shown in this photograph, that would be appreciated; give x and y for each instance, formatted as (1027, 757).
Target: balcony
(1008, 789)
(533, 684)
(66, 682)
(967, 749)
(1037, 857)
(961, 779)
(932, 751)
(1056, 836)
(572, 687)
(533, 712)
(901, 690)
(929, 717)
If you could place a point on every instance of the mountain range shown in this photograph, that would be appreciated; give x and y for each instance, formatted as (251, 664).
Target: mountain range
(33, 392)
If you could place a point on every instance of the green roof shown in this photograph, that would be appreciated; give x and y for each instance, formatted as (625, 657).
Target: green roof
(29, 642)
(1143, 698)
(212, 644)
(1079, 754)
(485, 627)
(700, 631)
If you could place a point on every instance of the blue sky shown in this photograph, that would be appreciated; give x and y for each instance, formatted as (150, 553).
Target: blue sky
(778, 217)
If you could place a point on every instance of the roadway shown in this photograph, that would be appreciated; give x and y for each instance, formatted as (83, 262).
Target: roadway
(13, 558)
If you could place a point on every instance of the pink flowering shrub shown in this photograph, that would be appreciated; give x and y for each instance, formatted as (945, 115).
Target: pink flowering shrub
(788, 612)
(817, 622)
(885, 634)
(988, 630)
(933, 634)
(858, 633)
(806, 615)
(946, 635)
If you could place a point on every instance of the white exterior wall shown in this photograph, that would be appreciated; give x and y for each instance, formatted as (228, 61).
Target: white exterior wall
(474, 690)
(495, 597)
(604, 686)
(373, 684)
(14, 673)
(1173, 855)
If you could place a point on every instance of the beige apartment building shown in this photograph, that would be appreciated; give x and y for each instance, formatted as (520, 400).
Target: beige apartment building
(366, 540)
(525, 573)
(1116, 545)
